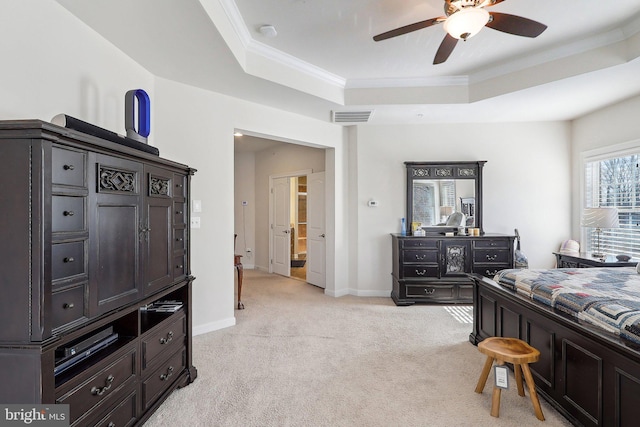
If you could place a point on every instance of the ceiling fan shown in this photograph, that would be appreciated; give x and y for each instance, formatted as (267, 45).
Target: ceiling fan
(464, 19)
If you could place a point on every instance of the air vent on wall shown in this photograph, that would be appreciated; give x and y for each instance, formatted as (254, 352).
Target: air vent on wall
(351, 116)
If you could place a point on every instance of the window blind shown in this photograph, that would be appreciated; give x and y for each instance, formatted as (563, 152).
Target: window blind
(615, 182)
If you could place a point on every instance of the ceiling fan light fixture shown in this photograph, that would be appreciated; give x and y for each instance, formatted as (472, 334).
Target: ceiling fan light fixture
(466, 22)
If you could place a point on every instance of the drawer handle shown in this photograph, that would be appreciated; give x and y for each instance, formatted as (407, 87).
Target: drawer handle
(168, 339)
(179, 239)
(68, 167)
(429, 291)
(111, 424)
(492, 257)
(178, 212)
(166, 376)
(179, 266)
(99, 391)
(68, 305)
(420, 257)
(69, 259)
(421, 272)
(68, 213)
(490, 273)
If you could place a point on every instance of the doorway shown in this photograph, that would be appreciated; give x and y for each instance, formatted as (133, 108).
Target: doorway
(298, 226)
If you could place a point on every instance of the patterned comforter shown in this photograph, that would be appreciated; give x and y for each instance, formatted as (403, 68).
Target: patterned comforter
(608, 298)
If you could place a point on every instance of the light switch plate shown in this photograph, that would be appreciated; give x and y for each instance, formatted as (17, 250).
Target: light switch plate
(195, 222)
(197, 205)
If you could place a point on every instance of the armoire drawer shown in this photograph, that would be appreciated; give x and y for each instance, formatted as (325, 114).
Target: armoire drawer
(68, 259)
(160, 379)
(163, 339)
(68, 167)
(93, 391)
(67, 306)
(123, 414)
(67, 214)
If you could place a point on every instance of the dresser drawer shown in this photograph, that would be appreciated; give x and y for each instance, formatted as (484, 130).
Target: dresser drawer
(162, 339)
(490, 256)
(93, 391)
(417, 271)
(420, 243)
(68, 167)
(67, 213)
(489, 243)
(67, 306)
(163, 377)
(68, 259)
(419, 256)
(432, 292)
(489, 270)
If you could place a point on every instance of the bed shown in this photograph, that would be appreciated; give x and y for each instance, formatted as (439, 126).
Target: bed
(586, 324)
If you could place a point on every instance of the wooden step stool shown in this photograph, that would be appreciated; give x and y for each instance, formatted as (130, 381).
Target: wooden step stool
(520, 354)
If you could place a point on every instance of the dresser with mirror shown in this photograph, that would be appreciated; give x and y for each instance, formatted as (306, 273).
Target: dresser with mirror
(445, 239)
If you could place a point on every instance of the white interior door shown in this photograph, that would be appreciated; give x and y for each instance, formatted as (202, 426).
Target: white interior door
(315, 229)
(281, 227)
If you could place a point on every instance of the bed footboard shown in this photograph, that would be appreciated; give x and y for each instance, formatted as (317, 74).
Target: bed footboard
(591, 377)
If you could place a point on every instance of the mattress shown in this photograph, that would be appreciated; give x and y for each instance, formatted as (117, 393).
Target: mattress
(607, 298)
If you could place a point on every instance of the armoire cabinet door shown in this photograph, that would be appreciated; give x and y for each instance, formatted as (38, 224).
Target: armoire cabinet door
(116, 233)
(158, 213)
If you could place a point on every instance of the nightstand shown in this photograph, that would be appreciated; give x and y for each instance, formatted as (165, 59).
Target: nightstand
(585, 260)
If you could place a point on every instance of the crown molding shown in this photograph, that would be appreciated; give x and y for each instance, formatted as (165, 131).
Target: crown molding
(408, 82)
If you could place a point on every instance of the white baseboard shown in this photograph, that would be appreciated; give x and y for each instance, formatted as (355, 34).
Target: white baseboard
(214, 326)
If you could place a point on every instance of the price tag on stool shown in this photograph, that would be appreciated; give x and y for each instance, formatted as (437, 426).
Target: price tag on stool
(501, 375)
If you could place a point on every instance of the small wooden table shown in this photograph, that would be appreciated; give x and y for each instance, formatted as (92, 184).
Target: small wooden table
(237, 262)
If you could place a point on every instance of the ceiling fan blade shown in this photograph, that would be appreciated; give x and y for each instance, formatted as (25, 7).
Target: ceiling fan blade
(408, 28)
(489, 3)
(445, 49)
(516, 25)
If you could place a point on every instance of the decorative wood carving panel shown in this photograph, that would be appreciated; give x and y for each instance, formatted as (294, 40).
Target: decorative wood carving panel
(115, 180)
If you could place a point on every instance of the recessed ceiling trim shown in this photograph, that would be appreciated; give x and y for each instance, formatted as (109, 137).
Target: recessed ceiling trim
(291, 61)
(550, 54)
(408, 82)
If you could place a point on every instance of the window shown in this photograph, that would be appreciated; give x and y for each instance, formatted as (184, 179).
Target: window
(614, 181)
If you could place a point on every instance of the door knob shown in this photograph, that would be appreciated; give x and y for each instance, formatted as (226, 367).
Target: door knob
(322, 235)
(286, 231)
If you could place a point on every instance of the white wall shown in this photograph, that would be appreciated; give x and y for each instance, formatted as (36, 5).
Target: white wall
(526, 186)
(611, 126)
(52, 63)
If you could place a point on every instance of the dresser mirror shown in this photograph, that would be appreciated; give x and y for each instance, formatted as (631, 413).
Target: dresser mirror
(444, 196)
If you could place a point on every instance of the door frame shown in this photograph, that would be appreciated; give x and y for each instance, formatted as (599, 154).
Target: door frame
(292, 174)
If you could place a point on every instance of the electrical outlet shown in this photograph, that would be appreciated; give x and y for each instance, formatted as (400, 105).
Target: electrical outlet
(195, 222)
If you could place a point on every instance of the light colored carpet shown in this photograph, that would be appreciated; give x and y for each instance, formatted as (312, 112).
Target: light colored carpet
(299, 358)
